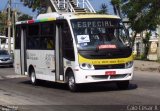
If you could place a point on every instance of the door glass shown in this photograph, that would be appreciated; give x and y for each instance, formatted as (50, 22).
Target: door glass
(67, 42)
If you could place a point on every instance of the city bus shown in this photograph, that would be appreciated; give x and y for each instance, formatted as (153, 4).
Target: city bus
(74, 48)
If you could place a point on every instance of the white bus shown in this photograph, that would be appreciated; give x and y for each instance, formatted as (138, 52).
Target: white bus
(74, 49)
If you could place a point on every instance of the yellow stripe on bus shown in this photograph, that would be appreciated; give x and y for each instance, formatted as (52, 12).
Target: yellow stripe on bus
(104, 61)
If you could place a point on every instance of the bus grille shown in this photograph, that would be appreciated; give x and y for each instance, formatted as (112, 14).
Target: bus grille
(118, 76)
(121, 76)
(115, 66)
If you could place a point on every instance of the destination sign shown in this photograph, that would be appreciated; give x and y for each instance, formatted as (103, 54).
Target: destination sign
(107, 47)
(95, 23)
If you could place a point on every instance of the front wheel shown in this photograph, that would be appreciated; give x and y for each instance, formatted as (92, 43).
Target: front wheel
(123, 85)
(71, 82)
(33, 78)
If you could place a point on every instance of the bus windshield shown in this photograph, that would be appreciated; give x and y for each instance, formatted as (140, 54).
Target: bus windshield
(99, 34)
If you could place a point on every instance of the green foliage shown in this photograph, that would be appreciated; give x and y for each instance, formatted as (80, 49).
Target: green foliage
(103, 10)
(146, 44)
(3, 21)
(146, 47)
(141, 57)
(147, 38)
(116, 6)
(24, 17)
(143, 15)
(3, 18)
(37, 5)
(116, 2)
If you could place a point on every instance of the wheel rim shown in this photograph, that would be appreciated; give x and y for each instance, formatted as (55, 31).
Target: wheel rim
(71, 82)
(33, 77)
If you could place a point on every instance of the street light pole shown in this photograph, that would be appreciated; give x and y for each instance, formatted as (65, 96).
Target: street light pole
(9, 26)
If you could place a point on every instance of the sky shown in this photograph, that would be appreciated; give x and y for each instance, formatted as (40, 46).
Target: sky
(95, 3)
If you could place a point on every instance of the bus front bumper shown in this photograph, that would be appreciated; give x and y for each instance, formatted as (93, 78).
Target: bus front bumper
(91, 76)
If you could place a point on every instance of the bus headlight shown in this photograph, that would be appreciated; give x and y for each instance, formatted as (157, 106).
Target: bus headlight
(129, 64)
(86, 66)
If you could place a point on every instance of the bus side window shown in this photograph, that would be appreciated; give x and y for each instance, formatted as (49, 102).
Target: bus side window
(48, 35)
(41, 36)
(33, 30)
(33, 36)
(18, 37)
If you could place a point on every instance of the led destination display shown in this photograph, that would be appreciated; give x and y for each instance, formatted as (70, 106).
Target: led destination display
(95, 23)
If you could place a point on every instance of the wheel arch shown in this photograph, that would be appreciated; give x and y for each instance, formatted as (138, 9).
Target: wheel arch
(67, 72)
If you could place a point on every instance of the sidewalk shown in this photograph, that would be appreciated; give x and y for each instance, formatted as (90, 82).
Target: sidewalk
(8, 73)
(146, 66)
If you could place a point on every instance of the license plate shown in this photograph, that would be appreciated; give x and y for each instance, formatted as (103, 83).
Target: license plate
(110, 73)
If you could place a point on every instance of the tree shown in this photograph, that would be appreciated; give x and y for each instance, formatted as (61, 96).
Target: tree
(103, 10)
(3, 25)
(143, 15)
(3, 21)
(116, 6)
(39, 5)
(23, 17)
(146, 43)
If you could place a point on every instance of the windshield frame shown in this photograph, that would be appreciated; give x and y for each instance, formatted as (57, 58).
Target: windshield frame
(96, 22)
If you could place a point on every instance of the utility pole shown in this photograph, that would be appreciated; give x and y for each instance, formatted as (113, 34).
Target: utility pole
(14, 20)
(13, 27)
(159, 42)
(9, 26)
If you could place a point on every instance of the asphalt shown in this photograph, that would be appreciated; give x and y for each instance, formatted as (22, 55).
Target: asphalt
(143, 90)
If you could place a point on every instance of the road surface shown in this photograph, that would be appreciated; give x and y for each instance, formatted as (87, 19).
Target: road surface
(144, 89)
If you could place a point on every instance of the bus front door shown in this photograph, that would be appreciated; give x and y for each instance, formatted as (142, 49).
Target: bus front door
(64, 49)
(23, 51)
(59, 54)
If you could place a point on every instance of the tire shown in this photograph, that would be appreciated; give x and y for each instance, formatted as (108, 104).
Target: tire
(71, 83)
(33, 78)
(122, 85)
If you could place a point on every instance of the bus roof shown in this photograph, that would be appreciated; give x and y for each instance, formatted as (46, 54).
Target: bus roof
(76, 15)
(92, 15)
(56, 16)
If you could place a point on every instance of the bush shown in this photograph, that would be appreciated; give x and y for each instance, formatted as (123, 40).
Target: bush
(141, 57)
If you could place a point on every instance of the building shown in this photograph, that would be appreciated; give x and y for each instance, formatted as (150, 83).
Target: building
(5, 45)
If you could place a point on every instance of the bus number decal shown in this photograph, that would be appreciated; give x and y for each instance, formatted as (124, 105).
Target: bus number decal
(32, 56)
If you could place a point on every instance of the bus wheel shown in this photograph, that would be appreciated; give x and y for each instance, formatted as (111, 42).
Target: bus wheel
(71, 82)
(123, 85)
(33, 77)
